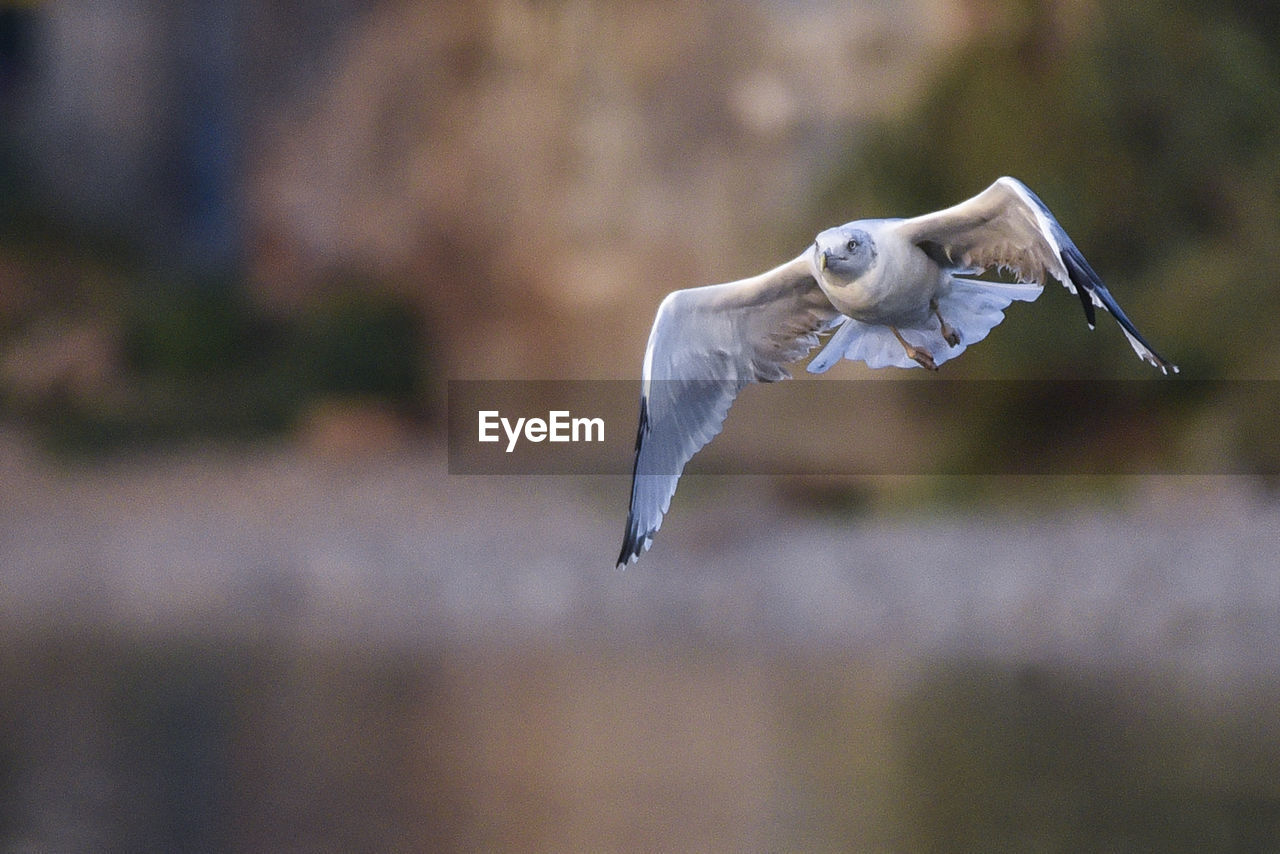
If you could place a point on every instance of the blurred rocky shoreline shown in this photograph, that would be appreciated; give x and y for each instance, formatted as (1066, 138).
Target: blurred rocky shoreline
(386, 546)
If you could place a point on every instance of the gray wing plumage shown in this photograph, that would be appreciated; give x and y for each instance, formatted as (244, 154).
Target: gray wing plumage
(1006, 226)
(706, 345)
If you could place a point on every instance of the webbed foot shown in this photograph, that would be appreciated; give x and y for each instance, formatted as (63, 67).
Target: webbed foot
(948, 331)
(919, 354)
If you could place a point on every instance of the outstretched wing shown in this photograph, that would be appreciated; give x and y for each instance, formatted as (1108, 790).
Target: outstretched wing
(707, 344)
(1006, 226)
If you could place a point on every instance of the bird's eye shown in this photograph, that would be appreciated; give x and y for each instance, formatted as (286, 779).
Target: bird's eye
(852, 245)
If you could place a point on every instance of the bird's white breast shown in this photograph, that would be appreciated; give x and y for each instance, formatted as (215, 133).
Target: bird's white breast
(896, 289)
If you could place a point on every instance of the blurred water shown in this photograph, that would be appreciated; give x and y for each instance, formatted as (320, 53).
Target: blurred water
(282, 651)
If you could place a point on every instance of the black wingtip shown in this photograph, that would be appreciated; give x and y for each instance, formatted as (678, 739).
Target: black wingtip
(632, 543)
(1084, 279)
(632, 539)
(1089, 285)
(1086, 299)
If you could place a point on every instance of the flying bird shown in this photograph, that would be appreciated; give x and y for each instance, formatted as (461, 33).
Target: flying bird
(893, 292)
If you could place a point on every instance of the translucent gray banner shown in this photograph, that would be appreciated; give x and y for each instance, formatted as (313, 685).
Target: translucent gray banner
(927, 426)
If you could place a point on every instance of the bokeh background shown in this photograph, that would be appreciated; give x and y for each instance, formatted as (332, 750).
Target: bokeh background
(243, 605)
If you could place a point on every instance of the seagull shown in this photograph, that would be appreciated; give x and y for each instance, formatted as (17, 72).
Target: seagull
(892, 293)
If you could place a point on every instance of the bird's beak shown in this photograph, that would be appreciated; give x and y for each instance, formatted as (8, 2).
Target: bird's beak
(822, 261)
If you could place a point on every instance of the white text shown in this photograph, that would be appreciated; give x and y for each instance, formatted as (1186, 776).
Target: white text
(558, 426)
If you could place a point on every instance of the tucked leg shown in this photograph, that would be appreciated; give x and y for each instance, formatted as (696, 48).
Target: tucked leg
(921, 355)
(948, 331)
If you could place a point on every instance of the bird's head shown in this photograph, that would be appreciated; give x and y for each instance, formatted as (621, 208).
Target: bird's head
(843, 253)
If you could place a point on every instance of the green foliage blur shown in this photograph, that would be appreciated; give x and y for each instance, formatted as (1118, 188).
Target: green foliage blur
(191, 358)
(1152, 131)
(214, 364)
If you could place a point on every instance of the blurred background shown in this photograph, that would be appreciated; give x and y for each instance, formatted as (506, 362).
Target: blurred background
(243, 606)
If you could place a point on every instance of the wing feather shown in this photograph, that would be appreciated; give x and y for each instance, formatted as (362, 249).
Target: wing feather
(1008, 227)
(707, 344)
